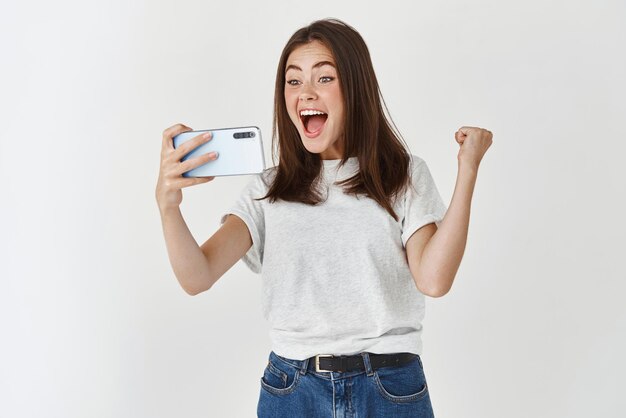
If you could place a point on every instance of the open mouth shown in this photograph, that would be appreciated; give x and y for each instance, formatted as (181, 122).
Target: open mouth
(313, 121)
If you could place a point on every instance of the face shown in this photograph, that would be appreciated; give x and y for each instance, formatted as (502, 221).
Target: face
(314, 100)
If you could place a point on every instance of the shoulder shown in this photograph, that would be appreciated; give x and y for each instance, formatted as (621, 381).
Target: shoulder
(416, 163)
(268, 175)
(270, 172)
(420, 175)
(417, 167)
(262, 180)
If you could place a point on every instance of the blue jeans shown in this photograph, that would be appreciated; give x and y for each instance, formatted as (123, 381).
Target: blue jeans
(292, 388)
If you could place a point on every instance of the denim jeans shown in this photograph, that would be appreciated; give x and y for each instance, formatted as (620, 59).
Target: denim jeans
(292, 388)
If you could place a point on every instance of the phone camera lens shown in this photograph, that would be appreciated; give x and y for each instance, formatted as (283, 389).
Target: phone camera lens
(250, 134)
(237, 135)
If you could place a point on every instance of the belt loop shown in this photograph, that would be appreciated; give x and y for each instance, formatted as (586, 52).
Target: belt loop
(366, 362)
(304, 366)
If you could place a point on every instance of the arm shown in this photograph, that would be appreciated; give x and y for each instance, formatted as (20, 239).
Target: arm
(198, 268)
(434, 254)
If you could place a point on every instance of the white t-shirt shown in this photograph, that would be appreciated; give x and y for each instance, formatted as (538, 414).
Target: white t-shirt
(335, 277)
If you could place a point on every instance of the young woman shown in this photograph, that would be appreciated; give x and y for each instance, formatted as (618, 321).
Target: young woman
(349, 231)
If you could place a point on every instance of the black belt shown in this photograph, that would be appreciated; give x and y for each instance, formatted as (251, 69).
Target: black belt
(330, 363)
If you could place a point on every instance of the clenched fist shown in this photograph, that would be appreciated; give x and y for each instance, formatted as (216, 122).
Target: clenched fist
(474, 143)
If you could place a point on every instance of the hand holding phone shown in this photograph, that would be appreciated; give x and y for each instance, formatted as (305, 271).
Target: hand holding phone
(171, 181)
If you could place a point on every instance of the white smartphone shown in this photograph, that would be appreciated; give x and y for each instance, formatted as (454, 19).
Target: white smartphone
(240, 151)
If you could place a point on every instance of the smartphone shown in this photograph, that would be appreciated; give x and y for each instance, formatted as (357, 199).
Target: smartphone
(240, 151)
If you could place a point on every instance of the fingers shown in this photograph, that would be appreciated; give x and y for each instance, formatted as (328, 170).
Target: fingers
(187, 182)
(191, 144)
(171, 179)
(195, 162)
(171, 132)
(172, 168)
(467, 129)
(464, 131)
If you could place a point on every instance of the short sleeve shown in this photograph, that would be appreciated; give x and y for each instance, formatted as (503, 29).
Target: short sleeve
(252, 213)
(422, 203)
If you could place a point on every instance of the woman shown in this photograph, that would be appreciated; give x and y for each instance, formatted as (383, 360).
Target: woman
(348, 229)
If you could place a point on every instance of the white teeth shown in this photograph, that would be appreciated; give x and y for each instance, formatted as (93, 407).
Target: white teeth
(311, 112)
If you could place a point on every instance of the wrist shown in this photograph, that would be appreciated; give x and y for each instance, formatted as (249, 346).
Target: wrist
(169, 210)
(469, 166)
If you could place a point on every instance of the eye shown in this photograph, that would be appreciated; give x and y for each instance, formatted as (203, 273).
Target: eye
(292, 82)
(327, 78)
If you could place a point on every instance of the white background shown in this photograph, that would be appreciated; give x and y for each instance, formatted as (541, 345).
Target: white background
(93, 322)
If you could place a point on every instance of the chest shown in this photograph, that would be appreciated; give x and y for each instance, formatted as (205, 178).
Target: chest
(339, 221)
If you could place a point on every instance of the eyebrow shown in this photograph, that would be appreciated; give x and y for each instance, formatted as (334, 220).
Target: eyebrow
(317, 65)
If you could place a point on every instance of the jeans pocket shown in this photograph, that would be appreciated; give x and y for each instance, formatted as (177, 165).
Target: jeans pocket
(279, 377)
(405, 383)
(275, 377)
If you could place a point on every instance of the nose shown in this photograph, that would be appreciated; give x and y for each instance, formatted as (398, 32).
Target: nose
(307, 93)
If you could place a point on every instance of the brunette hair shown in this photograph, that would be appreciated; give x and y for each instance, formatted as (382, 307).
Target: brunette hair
(369, 133)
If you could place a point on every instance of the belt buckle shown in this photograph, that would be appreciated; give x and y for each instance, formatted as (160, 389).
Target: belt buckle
(317, 362)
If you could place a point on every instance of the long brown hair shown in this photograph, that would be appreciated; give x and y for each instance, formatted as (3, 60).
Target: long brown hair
(369, 133)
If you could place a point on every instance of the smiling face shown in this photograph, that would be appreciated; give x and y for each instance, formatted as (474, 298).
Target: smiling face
(314, 99)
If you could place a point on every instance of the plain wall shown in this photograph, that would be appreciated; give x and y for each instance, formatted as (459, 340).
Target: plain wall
(93, 322)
